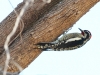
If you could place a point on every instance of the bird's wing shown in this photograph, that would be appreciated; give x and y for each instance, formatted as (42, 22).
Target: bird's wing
(64, 37)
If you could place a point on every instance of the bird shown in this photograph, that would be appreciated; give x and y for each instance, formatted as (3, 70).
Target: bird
(68, 41)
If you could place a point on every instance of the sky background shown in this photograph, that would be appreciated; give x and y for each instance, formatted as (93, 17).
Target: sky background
(82, 61)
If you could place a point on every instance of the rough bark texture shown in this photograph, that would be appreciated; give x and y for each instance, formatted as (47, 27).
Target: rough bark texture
(43, 23)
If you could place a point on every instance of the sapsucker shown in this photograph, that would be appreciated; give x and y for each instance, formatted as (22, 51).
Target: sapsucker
(69, 41)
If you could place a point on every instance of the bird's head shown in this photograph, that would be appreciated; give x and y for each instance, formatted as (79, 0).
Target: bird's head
(86, 33)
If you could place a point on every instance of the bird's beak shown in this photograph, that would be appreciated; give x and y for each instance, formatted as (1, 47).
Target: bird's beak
(82, 32)
(80, 29)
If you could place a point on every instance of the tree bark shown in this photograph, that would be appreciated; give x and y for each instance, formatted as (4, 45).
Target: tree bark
(42, 23)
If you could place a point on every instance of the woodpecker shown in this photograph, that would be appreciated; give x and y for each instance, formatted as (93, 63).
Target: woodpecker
(69, 41)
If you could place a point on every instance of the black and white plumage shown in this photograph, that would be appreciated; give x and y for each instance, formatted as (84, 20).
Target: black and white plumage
(69, 41)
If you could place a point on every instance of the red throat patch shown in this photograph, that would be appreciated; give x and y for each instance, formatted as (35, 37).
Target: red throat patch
(82, 33)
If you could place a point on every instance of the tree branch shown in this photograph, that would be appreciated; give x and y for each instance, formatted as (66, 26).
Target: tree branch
(42, 23)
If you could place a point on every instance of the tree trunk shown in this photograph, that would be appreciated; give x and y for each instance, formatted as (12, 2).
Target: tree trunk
(43, 22)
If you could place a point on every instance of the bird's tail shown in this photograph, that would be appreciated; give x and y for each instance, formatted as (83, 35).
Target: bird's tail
(44, 46)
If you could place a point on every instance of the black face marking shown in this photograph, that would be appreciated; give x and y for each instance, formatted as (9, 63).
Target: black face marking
(88, 34)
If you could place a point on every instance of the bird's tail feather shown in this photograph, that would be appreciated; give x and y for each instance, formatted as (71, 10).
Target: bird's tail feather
(44, 45)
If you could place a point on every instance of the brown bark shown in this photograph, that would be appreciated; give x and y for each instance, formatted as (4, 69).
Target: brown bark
(43, 23)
